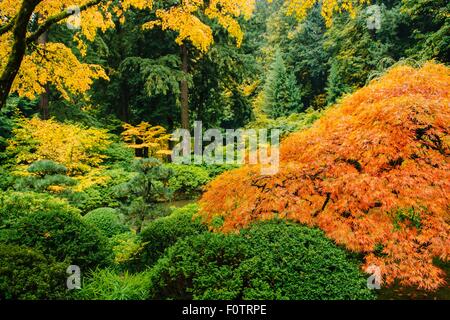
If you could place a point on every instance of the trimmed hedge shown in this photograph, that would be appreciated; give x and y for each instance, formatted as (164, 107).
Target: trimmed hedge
(274, 260)
(162, 233)
(106, 220)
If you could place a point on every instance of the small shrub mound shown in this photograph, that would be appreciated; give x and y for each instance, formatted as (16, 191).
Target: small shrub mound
(52, 227)
(106, 220)
(187, 181)
(271, 260)
(162, 233)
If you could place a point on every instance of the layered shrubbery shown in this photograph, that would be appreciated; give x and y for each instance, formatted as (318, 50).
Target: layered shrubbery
(187, 181)
(45, 176)
(274, 260)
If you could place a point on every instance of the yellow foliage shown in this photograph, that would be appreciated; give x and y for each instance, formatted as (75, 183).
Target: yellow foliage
(127, 249)
(183, 20)
(77, 148)
(55, 63)
(95, 176)
(58, 65)
(300, 8)
(56, 189)
(145, 137)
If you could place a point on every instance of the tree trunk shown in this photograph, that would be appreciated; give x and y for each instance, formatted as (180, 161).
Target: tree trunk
(18, 49)
(43, 102)
(184, 88)
(124, 108)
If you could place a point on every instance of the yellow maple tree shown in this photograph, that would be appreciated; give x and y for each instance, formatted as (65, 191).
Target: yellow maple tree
(78, 149)
(147, 140)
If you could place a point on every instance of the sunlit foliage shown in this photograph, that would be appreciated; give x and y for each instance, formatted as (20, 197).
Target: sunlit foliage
(79, 149)
(150, 141)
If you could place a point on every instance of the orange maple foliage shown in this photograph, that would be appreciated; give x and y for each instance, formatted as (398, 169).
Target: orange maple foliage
(373, 173)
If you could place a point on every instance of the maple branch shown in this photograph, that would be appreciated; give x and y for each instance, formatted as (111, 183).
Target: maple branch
(8, 26)
(57, 18)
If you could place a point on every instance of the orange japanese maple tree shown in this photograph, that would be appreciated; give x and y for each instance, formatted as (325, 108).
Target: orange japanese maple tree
(373, 173)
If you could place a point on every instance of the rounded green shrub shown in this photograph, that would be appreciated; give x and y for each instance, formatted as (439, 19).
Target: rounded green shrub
(164, 232)
(305, 264)
(26, 274)
(64, 236)
(187, 181)
(106, 220)
(43, 183)
(52, 227)
(271, 260)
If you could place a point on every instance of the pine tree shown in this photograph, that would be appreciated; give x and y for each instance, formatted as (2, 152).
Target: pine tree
(281, 92)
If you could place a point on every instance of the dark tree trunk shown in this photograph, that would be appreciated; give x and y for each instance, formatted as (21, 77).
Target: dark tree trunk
(44, 99)
(18, 49)
(124, 109)
(43, 103)
(184, 89)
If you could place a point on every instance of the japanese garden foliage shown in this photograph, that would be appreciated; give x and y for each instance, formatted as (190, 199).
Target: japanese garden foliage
(87, 114)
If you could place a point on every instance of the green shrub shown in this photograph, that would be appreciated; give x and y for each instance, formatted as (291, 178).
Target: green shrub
(127, 248)
(26, 274)
(6, 179)
(164, 232)
(63, 235)
(45, 174)
(287, 125)
(119, 155)
(14, 205)
(271, 260)
(217, 169)
(305, 264)
(106, 220)
(104, 194)
(187, 181)
(52, 227)
(107, 284)
(205, 266)
(42, 184)
(47, 167)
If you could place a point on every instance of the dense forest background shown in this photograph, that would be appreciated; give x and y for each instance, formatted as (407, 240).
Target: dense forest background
(283, 66)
